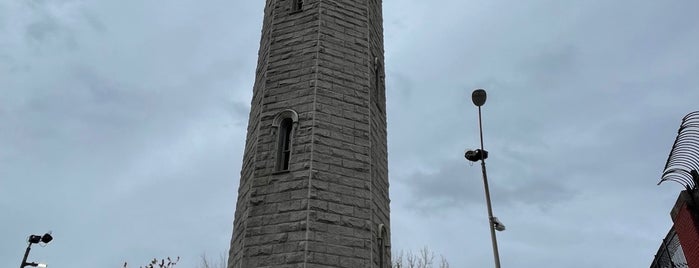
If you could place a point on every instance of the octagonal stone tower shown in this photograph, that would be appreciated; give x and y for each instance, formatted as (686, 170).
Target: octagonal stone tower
(314, 182)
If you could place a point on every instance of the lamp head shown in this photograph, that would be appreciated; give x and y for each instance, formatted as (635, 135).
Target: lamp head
(497, 224)
(35, 239)
(46, 238)
(34, 264)
(478, 97)
(475, 155)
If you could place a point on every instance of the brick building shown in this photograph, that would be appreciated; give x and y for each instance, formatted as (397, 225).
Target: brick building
(682, 167)
(314, 180)
(682, 242)
(681, 239)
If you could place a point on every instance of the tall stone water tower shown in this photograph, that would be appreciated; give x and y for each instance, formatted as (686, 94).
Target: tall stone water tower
(314, 181)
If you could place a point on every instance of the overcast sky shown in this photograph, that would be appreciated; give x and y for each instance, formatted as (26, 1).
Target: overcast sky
(122, 125)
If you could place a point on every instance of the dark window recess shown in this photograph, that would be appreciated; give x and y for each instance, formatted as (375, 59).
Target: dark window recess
(296, 5)
(378, 79)
(382, 248)
(284, 145)
(381, 257)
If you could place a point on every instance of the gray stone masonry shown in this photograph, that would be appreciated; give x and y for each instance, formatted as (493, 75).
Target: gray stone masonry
(331, 207)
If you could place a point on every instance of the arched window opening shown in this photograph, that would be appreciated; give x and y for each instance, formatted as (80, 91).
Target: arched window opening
(284, 124)
(284, 144)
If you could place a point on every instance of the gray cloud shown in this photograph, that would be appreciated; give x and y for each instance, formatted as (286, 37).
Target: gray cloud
(454, 185)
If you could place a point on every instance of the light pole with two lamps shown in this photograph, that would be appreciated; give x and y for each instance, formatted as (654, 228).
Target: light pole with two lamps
(35, 239)
(478, 97)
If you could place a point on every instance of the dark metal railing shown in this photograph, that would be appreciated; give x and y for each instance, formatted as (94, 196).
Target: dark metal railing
(670, 254)
(683, 162)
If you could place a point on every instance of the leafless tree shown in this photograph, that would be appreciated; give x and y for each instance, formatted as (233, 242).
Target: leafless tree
(424, 258)
(163, 263)
(207, 262)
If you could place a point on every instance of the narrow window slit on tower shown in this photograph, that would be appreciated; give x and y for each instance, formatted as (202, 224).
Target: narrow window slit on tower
(381, 256)
(382, 246)
(296, 5)
(377, 81)
(284, 124)
(284, 145)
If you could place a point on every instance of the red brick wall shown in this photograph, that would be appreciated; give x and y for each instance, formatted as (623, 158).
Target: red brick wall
(688, 234)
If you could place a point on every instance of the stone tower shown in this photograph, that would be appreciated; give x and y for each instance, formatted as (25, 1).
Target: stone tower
(314, 181)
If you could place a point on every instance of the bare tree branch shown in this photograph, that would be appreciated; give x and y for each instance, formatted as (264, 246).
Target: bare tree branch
(155, 263)
(424, 258)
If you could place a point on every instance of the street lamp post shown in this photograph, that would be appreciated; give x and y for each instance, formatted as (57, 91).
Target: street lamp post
(478, 97)
(35, 239)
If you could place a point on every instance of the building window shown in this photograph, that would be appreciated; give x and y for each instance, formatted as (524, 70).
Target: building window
(284, 145)
(378, 82)
(382, 246)
(296, 5)
(284, 123)
(381, 256)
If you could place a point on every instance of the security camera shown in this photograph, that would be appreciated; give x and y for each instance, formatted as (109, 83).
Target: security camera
(475, 155)
(497, 224)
